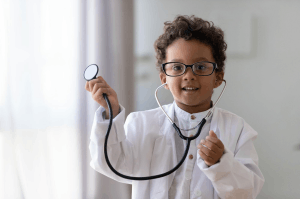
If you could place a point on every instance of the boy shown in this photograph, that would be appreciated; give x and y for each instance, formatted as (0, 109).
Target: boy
(148, 145)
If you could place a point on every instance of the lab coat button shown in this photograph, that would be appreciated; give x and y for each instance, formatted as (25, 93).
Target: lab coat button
(193, 117)
(191, 135)
(191, 156)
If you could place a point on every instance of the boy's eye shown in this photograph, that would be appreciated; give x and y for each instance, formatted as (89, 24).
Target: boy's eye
(177, 67)
(200, 67)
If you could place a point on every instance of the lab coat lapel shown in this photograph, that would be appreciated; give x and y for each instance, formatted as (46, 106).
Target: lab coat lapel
(222, 128)
(214, 122)
(164, 156)
(225, 129)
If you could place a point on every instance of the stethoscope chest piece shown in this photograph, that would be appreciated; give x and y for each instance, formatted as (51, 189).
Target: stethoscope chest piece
(91, 72)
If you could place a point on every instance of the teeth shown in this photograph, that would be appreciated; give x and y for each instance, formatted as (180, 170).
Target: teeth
(189, 88)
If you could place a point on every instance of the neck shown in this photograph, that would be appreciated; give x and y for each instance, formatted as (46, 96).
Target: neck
(195, 108)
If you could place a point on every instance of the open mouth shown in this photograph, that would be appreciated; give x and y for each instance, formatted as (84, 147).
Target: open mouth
(189, 89)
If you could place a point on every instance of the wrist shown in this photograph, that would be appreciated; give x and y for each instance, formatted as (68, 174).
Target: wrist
(115, 112)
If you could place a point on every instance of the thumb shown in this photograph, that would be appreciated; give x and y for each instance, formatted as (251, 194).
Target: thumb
(212, 133)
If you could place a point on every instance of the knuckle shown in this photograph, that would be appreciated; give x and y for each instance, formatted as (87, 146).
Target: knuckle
(103, 90)
(92, 82)
(203, 155)
(210, 152)
(98, 85)
(208, 144)
(95, 86)
(206, 151)
(94, 89)
(100, 78)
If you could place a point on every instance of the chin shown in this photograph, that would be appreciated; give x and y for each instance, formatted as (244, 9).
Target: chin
(190, 103)
(194, 102)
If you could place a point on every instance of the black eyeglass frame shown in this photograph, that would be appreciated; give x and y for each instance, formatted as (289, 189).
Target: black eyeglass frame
(191, 66)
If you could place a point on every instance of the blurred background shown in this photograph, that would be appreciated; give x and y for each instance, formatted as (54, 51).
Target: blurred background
(46, 114)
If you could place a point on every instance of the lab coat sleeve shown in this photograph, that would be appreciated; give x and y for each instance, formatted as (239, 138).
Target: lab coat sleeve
(120, 151)
(237, 175)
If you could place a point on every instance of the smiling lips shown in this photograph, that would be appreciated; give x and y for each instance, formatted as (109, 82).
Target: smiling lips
(188, 88)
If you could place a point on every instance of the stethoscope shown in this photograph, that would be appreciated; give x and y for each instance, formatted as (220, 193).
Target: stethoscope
(91, 73)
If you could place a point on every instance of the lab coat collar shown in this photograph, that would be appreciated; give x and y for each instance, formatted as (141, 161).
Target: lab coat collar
(186, 116)
(166, 126)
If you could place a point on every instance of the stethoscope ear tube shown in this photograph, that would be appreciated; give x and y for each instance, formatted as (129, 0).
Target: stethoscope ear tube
(203, 121)
(87, 76)
(188, 139)
(148, 177)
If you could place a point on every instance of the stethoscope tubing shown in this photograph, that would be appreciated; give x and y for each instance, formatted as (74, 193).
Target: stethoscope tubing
(189, 139)
(148, 177)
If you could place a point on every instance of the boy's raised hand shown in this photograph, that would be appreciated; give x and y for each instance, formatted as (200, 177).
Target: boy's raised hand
(99, 86)
(213, 151)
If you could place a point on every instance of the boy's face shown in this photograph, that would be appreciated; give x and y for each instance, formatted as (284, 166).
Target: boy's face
(190, 52)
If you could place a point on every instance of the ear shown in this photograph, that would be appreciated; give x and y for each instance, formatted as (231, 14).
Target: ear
(219, 79)
(163, 79)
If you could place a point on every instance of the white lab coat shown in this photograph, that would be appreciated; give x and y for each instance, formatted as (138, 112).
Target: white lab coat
(145, 146)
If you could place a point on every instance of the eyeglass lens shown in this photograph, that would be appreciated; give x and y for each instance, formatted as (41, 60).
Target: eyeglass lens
(199, 68)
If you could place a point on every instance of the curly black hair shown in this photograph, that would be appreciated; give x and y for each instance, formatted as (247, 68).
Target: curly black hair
(190, 28)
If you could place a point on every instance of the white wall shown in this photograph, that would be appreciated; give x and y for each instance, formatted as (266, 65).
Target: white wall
(263, 82)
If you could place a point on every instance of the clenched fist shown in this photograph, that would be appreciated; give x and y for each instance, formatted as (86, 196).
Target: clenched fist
(213, 149)
(99, 86)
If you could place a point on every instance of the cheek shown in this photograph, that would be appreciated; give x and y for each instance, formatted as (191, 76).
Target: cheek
(208, 86)
(173, 86)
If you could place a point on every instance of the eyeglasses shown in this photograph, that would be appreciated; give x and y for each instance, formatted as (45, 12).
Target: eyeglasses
(203, 68)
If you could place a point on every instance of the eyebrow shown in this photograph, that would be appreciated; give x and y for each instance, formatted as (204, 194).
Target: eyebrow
(199, 59)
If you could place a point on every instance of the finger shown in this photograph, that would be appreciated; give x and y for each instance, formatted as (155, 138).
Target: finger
(99, 93)
(208, 152)
(211, 146)
(99, 79)
(202, 155)
(97, 86)
(212, 134)
(216, 141)
(207, 143)
(205, 157)
(87, 87)
(208, 163)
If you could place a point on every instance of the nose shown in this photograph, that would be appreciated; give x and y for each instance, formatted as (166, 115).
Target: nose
(189, 75)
